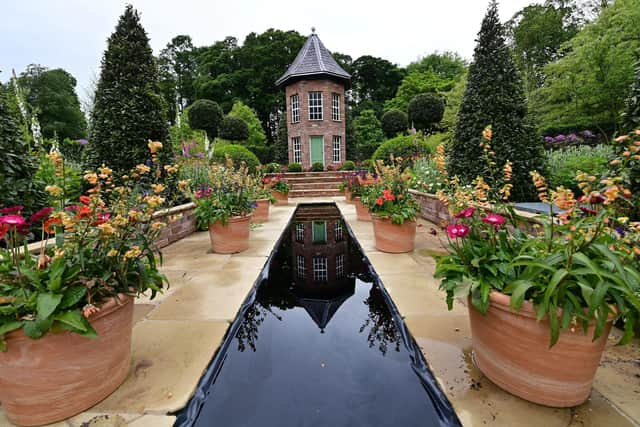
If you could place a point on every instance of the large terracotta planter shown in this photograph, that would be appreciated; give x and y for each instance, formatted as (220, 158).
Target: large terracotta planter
(394, 238)
(60, 375)
(512, 349)
(281, 198)
(362, 211)
(231, 238)
(261, 213)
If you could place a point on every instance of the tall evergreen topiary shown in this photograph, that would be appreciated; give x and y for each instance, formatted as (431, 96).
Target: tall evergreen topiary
(128, 109)
(281, 145)
(494, 96)
(632, 113)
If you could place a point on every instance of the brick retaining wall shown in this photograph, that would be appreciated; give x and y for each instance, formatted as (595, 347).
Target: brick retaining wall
(180, 222)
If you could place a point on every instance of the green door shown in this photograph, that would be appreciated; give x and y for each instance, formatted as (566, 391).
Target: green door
(317, 150)
(319, 232)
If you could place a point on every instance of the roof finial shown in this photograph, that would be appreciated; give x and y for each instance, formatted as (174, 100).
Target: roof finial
(313, 30)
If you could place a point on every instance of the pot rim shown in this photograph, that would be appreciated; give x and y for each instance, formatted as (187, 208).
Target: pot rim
(237, 218)
(377, 217)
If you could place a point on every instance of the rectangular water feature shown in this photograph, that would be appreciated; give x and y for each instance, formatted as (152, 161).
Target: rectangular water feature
(318, 342)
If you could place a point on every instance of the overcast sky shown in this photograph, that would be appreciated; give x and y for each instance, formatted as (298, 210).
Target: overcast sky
(72, 34)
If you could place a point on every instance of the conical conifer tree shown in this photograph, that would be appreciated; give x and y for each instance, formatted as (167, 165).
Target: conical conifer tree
(129, 109)
(494, 96)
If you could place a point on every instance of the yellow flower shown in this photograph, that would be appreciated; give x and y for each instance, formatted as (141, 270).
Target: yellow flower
(508, 171)
(142, 169)
(157, 188)
(541, 185)
(183, 184)
(158, 225)
(487, 133)
(154, 146)
(611, 194)
(106, 229)
(171, 168)
(120, 221)
(563, 198)
(91, 178)
(112, 253)
(134, 252)
(104, 172)
(58, 253)
(154, 201)
(54, 190)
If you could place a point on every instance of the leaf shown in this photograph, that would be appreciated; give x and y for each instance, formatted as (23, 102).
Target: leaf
(519, 287)
(557, 277)
(31, 329)
(47, 304)
(74, 319)
(11, 326)
(553, 322)
(72, 296)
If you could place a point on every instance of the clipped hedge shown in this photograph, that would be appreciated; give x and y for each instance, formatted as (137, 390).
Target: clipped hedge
(405, 146)
(317, 167)
(348, 165)
(294, 167)
(238, 154)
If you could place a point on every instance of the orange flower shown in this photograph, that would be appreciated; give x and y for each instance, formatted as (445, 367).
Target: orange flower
(85, 200)
(48, 223)
(83, 212)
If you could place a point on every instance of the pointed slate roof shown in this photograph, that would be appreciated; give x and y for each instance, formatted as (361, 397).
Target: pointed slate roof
(314, 59)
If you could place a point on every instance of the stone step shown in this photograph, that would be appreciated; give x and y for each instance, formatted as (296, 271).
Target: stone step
(327, 192)
(313, 179)
(312, 174)
(314, 185)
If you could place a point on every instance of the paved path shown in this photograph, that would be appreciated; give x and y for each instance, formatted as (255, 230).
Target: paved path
(176, 335)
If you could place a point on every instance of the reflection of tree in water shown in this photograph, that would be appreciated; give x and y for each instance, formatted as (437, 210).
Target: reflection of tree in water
(382, 329)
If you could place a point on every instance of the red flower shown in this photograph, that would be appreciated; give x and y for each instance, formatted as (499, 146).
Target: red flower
(388, 195)
(457, 230)
(3, 229)
(101, 218)
(13, 220)
(465, 213)
(588, 211)
(48, 223)
(379, 201)
(265, 180)
(12, 210)
(85, 200)
(494, 219)
(83, 212)
(41, 215)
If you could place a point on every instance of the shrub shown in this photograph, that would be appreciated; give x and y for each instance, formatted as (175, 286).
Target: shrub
(295, 167)
(317, 167)
(437, 139)
(233, 129)
(426, 176)
(405, 146)
(348, 165)
(128, 108)
(394, 122)
(367, 164)
(205, 115)
(563, 164)
(425, 111)
(498, 102)
(367, 133)
(272, 168)
(264, 153)
(238, 154)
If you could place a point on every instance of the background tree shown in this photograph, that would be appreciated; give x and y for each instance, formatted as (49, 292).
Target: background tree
(374, 80)
(179, 56)
(281, 145)
(425, 111)
(367, 133)
(18, 166)
(51, 96)
(257, 136)
(587, 88)
(205, 115)
(128, 109)
(350, 135)
(453, 100)
(394, 122)
(632, 113)
(494, 96)
(234, 129)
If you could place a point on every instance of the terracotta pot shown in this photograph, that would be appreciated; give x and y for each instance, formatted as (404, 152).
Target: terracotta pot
(281, 198)
(362, 211)
(60, 375)
(393, 238)
(231, 238)
(512, 349)
(348, 196)
(261, 213)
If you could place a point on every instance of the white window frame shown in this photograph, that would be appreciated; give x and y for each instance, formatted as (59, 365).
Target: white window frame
(300, 232)
(300, 266)
(315, 106)
(320, 269)
(338, 231)
(337, 145)
(339, 266)
(335, 107)
(295, 108)
(297, 149)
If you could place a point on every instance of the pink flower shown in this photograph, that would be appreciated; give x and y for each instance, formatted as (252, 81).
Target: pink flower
(457, 230)
(494, 219)
(465, 213)
(41, 215)
(13, 220)
(12, 210)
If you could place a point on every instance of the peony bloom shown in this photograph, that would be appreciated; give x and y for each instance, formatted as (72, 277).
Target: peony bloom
(465, 213)
(494, 219)
(13, 220)
(457, 230)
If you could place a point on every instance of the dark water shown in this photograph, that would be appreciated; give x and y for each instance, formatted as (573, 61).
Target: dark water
(318, 344)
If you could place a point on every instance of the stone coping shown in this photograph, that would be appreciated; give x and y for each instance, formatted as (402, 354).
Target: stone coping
(175, 210)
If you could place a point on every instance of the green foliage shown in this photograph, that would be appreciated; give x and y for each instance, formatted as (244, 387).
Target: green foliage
(425, 111)
(70, 181)
(281, 144)
(436, 139)
(205, 115)
(348, 165)
(367, 133)
(183, 133)
(272, 168)
(256, 133)
(406, 147)
(426, 177)
(453, 101)
(128, 109)
(588, 86)
(237, 153)
(18, 168)
(394, 122)
(234, 129)
(263, 152)
(294, 167)
(177, 71)
(389, 197)
(196, 172)
(626, 165)
(374, 80)
(632, 113)
(51, 96)
(494, 96)
(317, 167)
(563, 164)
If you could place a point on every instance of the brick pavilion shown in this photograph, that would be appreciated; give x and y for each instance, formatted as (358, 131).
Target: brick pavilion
(315, 86)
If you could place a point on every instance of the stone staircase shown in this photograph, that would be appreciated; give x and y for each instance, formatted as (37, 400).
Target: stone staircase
(314, 184)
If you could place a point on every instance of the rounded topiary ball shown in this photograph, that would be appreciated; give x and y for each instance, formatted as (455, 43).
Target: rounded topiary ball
(425, 111)
(234, 129)
(394, 122)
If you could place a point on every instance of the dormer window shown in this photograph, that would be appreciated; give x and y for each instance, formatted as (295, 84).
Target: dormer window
(315, 106)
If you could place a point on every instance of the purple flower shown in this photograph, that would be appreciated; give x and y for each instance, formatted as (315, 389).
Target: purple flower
(548, 139)
(587, 134)
(620, 231)
(254, 205)
(83, 142)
